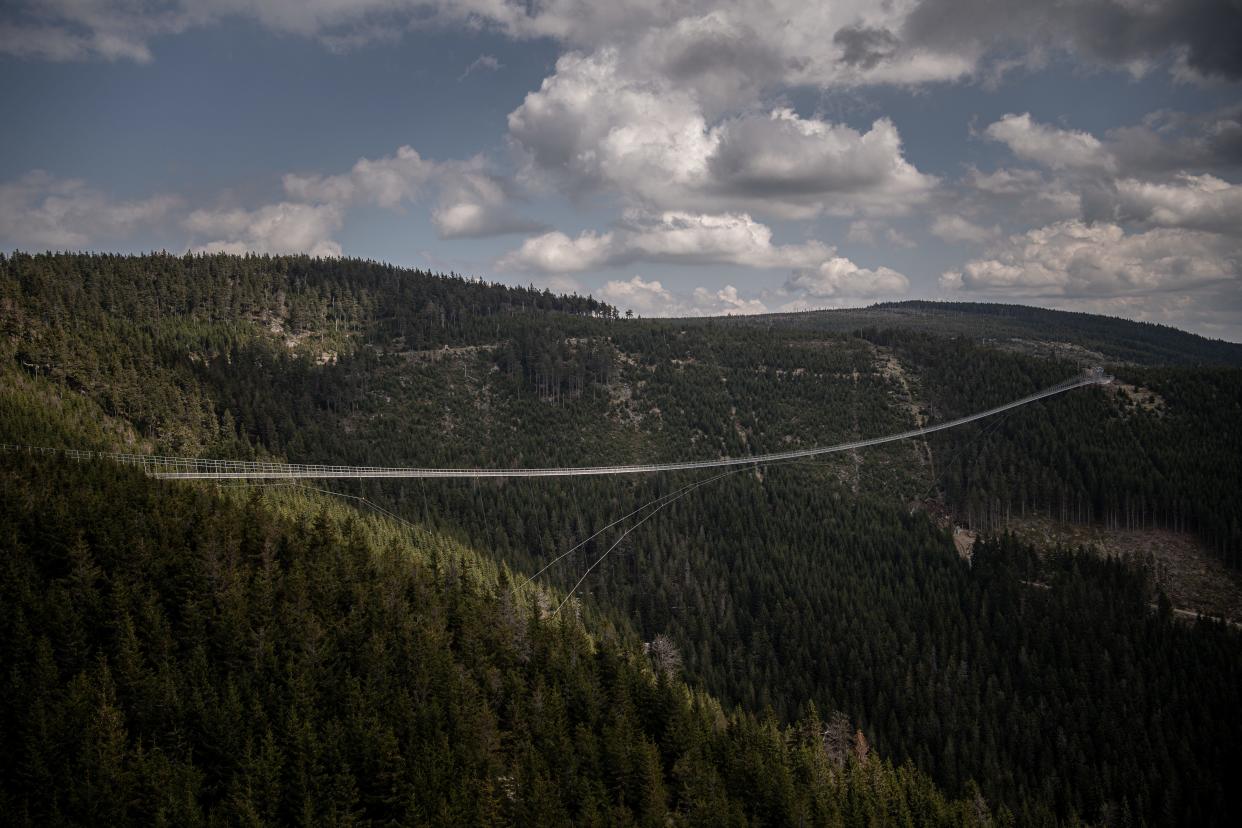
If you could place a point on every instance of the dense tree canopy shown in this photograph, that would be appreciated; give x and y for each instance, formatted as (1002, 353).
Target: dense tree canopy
(172, 656)
(821, 586)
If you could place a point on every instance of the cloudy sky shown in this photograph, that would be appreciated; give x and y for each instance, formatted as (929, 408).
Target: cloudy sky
(670, 157)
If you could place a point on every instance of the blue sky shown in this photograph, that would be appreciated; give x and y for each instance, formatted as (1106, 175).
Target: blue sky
(674, 159)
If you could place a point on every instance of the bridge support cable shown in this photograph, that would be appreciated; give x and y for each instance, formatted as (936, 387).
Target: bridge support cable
(659, 502)
(668, 500)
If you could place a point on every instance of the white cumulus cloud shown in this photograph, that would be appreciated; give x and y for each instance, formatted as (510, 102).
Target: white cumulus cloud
(955, 228)
(40, 210)
(387, 181)
(646, 298)
(727, 300)
(1201, 202)
(472, 202)
(672, 237)
(592, 126)
(652, 298)
(839, 277)
(720, 48)
(1058, 149)
(285, 227)
(809, 162)
(1072, 258)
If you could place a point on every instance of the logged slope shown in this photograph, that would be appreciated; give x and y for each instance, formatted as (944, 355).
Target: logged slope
(1159, 449)
(809, 582)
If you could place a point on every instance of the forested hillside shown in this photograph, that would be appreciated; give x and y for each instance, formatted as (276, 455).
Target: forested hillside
(1160, 448)
(174, 657)
(832, 584)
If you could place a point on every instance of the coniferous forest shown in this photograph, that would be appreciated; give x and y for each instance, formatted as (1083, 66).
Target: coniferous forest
(794, 644)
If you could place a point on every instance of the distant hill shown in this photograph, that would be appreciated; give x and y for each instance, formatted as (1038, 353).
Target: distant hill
(1019, 326)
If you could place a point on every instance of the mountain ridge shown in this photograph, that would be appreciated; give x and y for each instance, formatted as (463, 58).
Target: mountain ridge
(1121, 339)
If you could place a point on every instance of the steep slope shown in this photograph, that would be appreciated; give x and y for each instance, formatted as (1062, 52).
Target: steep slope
(174, 656)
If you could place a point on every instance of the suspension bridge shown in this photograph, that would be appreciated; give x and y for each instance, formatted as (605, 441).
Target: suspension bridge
(196, 468)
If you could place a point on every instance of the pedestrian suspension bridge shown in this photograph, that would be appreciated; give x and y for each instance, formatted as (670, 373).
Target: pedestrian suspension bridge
(196, 468)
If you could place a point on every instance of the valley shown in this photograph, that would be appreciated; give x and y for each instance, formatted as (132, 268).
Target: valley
(793, 597)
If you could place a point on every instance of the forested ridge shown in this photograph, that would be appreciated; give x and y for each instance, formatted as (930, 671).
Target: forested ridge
(1112, 338)
(821, 585)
